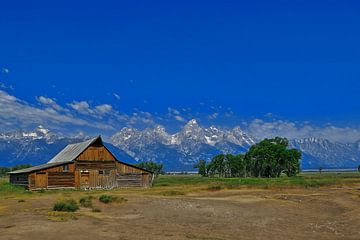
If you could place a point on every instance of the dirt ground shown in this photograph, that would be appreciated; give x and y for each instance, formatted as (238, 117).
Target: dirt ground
(325, 213)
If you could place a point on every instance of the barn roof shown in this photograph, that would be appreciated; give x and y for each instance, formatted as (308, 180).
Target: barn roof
(68, 154)
(39, 167)
(72, 151)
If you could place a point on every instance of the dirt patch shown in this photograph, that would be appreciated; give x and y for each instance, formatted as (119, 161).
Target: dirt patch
(226, 214)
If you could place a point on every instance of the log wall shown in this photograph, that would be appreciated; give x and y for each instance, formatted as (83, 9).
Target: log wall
(61, 179)
(20, 179)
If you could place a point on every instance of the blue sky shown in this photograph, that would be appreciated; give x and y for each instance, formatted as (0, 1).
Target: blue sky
(164, 62)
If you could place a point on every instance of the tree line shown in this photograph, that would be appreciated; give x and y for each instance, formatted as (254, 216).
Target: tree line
(156, 168)
(5, 170)
(268, 158)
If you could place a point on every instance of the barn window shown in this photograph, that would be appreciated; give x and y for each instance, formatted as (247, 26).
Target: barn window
(66, 168)
(104, 172)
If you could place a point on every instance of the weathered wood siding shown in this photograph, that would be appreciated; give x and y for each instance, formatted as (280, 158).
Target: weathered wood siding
(21, 179)
(54, 177)
(87, 175)
(130, 176)
(91, 179)
(32, 181)
(61, 179)
(95, 165)
(96, 153)
(125, 168)
(129, 180)
(41, 180)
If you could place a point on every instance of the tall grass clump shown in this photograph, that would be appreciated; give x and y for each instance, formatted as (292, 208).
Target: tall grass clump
(66, 206)
(86, 201)
(108, 199)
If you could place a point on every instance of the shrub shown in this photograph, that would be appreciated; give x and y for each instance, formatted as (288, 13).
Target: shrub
(86, 201)
(105, 198)
(109, 199)
(66, 206)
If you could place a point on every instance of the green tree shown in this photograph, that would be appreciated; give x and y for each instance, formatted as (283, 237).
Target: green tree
(4, 170)
(20, 166)
(235, 165)
(271, 157)
(201, 166)
(156, 168)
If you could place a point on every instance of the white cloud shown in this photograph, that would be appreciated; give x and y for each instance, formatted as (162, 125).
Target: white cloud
(5, 70)
(268, 129)
(180, 119)
(214, 115)
(103, 109)
(81, 107)
(117, 96)
(50, 102)
(173, 111)
(17, 114)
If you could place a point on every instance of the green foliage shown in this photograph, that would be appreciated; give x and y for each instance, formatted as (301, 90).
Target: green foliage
(66, 206)
(156, 168)
(6, 188)
(86, 201)
(202, 167)
(108, 199)
(105, 198)
(268, 158)
(303, 180)
(359, 168)
(271, 157)
(20, 166)
(4, 171)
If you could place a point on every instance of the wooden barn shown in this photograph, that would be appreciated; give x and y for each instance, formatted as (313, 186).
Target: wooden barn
(85, 165)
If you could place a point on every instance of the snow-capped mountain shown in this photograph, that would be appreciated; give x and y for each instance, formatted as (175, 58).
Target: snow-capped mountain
(178, 151)
(39, 146)
(322, 152)
(181, 150)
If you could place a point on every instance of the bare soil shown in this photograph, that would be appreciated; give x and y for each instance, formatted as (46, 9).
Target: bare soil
(324, 213)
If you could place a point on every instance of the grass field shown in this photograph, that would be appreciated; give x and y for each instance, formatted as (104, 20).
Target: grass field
(183, 184)
(302, 180)
(309, 206)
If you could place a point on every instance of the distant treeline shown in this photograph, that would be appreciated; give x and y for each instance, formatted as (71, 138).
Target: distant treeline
(5, 170)
(156, 168)
(268, 158)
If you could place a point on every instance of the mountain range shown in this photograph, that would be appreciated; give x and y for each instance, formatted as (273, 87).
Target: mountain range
(178, 151)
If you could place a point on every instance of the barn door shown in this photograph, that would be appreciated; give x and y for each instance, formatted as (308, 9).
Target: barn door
(84, 179)
(145, 180)
(41, 180)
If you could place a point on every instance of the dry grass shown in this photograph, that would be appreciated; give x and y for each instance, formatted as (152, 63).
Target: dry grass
(61, 216)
